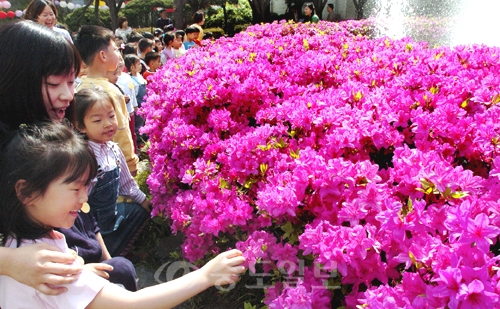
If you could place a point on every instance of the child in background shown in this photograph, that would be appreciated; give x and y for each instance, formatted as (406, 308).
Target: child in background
(158, 45)
(124, 81)
(120, 223)
(191, 34)
(168, 50)
(179, 46)
(83, 72)
(43, 187)
(145, 46)
(134, 38)
(153, 60)
(133, 65)
(99, 51)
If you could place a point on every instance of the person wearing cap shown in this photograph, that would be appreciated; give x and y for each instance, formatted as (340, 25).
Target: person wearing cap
(163, 21)
(331, 13)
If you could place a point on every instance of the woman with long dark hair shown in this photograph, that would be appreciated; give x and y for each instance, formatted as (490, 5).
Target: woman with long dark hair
(310, 13)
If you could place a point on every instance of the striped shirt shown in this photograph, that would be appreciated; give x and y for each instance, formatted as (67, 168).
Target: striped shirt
(109, 156)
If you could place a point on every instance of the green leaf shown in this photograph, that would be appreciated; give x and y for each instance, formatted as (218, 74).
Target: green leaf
(459, 194)
(223, 183)
(294, 154)
(249, 306)
(263, 168)
(288, 229)
(264, 147)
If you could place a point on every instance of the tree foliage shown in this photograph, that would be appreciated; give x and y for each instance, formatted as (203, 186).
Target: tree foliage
(83, 16)
(142, 13)
(229, 16)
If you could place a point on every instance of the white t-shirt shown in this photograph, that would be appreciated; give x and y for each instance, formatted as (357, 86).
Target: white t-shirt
(79, 294)
(64, 32)
(128, 87)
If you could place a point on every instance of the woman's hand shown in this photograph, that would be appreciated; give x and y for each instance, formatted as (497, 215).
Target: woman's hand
(99, 269)
(41, 266)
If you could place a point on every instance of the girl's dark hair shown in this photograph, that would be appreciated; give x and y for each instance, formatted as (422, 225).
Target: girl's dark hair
(85, 99)
(198, 17)
(36, 7)
(121, 20)
(168, 37)
(39, 155)
(180, 33)
(134, 37)
(23, 76)
(130, 60)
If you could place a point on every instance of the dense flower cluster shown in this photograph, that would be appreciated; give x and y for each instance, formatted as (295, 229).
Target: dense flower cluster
(335, 161)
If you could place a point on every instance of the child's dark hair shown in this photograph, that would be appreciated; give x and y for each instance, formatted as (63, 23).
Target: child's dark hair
(208, 35)
(130, 60)
(158, 32)
(151, 56)
(22, 78)
(38, 155)
(147, 35)
(85, 99)
(129, 49)
(134, 37)
(180, 33)
(192, 29)
(92, 39)
(168, 37)
(144, 44)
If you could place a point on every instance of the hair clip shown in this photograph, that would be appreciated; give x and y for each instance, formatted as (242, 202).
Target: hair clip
(97, 87)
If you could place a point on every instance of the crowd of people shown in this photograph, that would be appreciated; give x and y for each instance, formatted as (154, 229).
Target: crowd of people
(70, 207)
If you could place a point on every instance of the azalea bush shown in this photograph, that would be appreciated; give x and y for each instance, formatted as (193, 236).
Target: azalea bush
(349, 170)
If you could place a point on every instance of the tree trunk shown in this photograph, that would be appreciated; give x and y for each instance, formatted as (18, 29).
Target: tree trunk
(319, 5)
(260, 10)
(114, 9)
(359, 4)
(179, 21)
(96, 13)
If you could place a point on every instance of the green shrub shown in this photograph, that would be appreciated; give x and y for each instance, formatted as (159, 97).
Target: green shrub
(240, 28)
(217, 32)
(240, 14)
(74, 20)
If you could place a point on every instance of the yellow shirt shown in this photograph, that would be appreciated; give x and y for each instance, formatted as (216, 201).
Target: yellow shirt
(123, 137)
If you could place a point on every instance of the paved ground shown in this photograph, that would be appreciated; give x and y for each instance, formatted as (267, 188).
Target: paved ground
(146, 275)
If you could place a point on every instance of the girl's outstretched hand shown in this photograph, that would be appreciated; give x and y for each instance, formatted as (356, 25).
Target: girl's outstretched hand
(224, 268)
